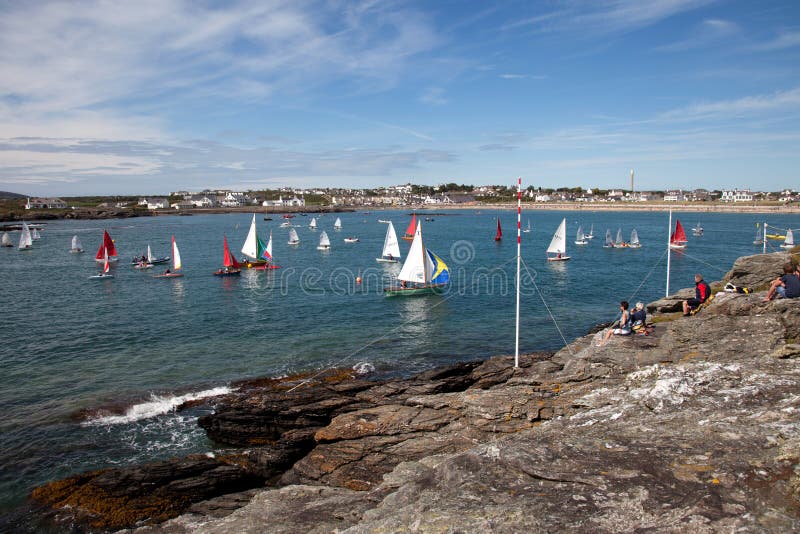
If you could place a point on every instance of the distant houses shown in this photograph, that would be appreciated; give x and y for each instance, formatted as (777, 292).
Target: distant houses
(737, 195)
(45, 203)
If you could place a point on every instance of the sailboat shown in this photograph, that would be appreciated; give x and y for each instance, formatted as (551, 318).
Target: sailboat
(108, 246)
(412, 227)
(25, 240)
(6, 240)
(608, 243)
(338, 224)
(231, 266)
(35, 235)
(558, 245)
(789, 241)
(634, 239)
(759, 239)
(253, 247)
(77, 247)
(697, 230)
(152, 260)
(294, 239)
(176, 263)
(527, 229)
(678, 238)
(423, 271)
(324, 242)
(499, 235)
(266, 255)
(391, 248)
(580, 238)
(619, 243)
(590, 235)
(106, 268)
(313, 223)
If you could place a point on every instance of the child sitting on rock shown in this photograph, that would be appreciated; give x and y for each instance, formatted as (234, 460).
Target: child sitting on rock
(787, 286)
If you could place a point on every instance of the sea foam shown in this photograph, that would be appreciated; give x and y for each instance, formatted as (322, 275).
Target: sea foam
(157, 405)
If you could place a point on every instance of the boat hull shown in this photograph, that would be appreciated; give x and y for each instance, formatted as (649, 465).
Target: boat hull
(398, 291)
(581, 242)
(408, 238)
(677, 247)
(386, 260)
(222, 272)
(72, 251)
(266, 267)
(562, 258)
(169, 275)
(323, 248)
(101, 276)
(253, 264)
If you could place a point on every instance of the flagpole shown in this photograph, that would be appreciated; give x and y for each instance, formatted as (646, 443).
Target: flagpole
(765, 239)
(669, 249)
(519, 246)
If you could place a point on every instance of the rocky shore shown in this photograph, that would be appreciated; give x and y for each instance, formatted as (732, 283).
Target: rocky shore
(693, 427)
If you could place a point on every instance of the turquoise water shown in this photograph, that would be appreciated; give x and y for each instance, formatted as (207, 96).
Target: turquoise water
(123, 350)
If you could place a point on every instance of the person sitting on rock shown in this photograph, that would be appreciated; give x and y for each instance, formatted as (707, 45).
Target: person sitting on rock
(638, 317)
(623, 325)
(787, 286)
(701, 293)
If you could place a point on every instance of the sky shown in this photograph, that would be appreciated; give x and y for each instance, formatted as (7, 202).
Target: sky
(148, 97)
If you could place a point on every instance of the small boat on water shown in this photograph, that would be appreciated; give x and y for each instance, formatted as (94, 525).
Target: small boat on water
(527, 229)
(580, 238)
(609, 242)
(697, 230)
(384, 221)
(288, 216)
(266, 255)
(338, 224)
(6, 240)
(313, 223)
(152, 260)
(499, 235)
(619, 242)
(253, 248)
(590, 235)
(412, 227)
(231, 266)
(789, 241)
(35, 235)
(759, 239)
(25, 239)
(106, 247)
(294, 239)
(351, 240)
(176, 263)
(106, 268)
(77, 247)
(324, 242)
(429, 219)
(391, 248)
(558, 245)
(678, 238)
(286, 224)
(422, 273)
(634, 239)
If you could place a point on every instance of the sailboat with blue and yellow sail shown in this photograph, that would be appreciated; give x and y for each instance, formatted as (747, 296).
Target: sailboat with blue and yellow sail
(423, 271)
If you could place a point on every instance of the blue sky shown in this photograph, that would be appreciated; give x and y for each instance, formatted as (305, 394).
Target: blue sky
(148, 97)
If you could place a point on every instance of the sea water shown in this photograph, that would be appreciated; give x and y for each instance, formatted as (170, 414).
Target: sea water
(92, 370)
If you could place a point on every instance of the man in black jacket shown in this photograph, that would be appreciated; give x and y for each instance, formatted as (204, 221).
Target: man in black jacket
(701, 293)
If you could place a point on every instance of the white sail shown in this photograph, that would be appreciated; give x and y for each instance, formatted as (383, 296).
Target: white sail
(250, 247)
(418, 265)
(323, 240)
(176, 256)
(269, 245)
(619, 237)
(313, 223)
(634, 237)
(390, 245)
(35, 234)
(609, 241)
(105, 260)
(76, 243)
(591, 233)
(558, 245)
(6, 240)
(25, 239)
(789, 241)
(150, 257)
(579, 236)
(338, 224)
(293, 237)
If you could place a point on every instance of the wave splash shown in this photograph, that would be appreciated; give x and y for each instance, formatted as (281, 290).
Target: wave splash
(157, 405)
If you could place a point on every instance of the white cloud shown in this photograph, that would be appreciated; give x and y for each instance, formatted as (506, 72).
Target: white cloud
(781, 101)
(781, 42)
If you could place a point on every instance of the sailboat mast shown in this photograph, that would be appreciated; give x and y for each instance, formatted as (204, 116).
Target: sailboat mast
(669, 253)
(765, 239)
(519, 245)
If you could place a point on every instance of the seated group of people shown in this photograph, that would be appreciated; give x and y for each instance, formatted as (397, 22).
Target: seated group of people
(628, 321)
(786, 286)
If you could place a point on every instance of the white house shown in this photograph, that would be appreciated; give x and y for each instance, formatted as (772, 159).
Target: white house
(674, 195)
(203, 201)
(157, 203)
(737, 195)
(542, 197)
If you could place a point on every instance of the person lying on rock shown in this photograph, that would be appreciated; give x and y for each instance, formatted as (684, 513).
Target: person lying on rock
(787, 286)
(624, 324)
(701, 293)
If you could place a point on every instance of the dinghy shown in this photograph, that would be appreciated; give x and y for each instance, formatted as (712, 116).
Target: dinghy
(384, 221)
(499, 235)
(619, 243)
(422, 273)
(176, 263)
(25, 239)
(324, 242)
(313, 223)
(697, 230)
(678, 238)
(634, 239)
(789, 241)
(77, 247)
(253, 248)
(35, 235)
(338, 224)
(759, 239)
(6, 240)
(391, 248)
(527, 229)
(231, 266)
(580, 238)
(351, 240)
(590, 235)
(294, 239)
(266, 255)
(608, 243)
(152, 260)
(412, 227)
(558, 245)
(107, 247)
(106, 268)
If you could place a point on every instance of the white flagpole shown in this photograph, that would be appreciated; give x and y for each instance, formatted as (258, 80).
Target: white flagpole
(519, 246)
(669, 249)
(765, 239)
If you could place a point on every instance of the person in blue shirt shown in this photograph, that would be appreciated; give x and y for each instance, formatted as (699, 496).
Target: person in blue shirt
(787, 286)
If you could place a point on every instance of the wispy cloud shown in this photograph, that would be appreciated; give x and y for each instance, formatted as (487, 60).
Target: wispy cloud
(708, 33)
(781, 42)
(510, 76)
(780, 101)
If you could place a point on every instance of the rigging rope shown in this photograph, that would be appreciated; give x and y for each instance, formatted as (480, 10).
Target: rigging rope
(541, 296)
(630, 299)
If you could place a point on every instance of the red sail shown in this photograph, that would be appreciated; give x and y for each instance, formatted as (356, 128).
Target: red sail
(108, 244)
(678, 236)
(499, 235)
(228, 259)
(412, 227)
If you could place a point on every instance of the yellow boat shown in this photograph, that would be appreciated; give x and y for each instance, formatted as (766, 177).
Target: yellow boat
(776, 236)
